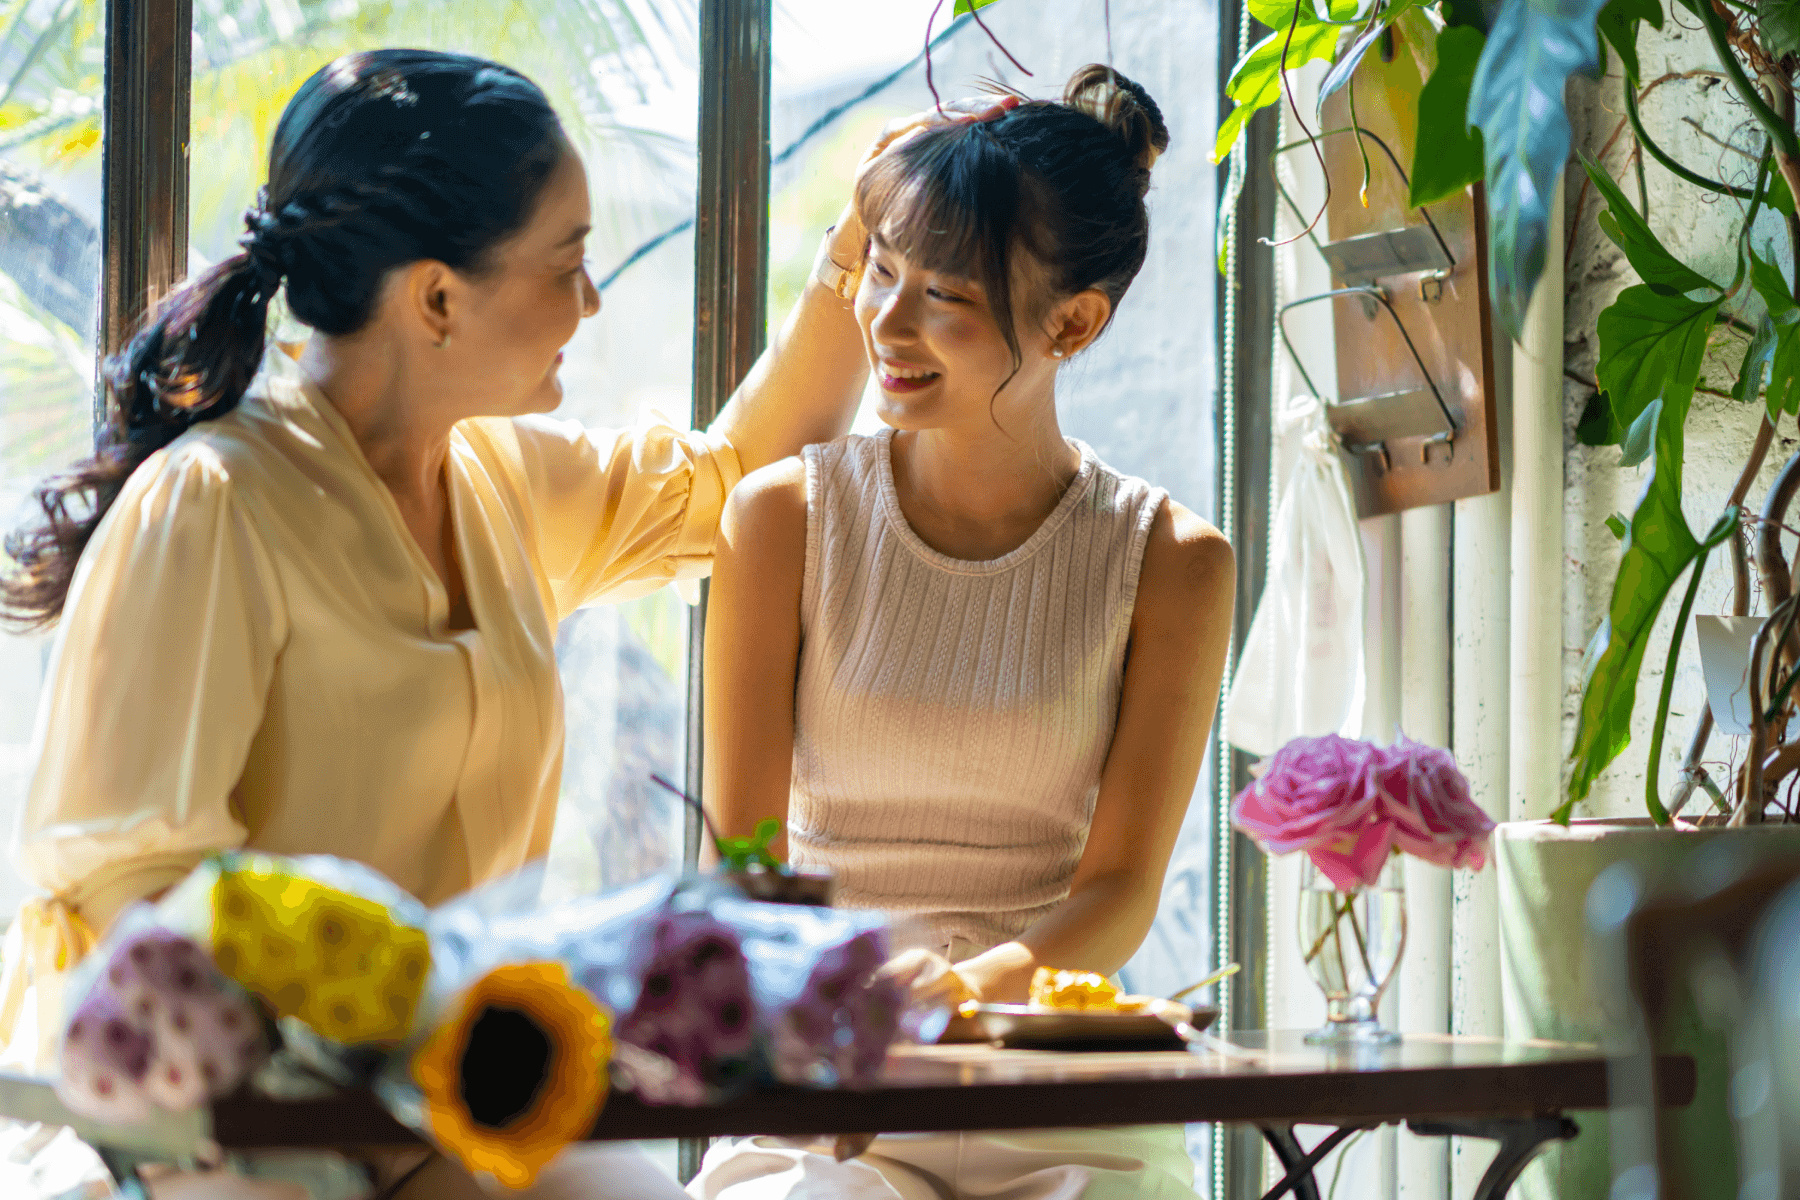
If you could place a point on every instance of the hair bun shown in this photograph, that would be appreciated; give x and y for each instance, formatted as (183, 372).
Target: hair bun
(1123, 106)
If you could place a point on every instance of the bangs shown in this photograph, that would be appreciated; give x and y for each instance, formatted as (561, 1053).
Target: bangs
(947, 201)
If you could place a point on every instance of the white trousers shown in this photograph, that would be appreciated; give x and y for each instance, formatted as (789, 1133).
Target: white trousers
(1140, 1162)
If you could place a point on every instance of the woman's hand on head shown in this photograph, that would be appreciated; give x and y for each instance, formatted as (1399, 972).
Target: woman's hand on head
(928, 978)
(900, 129)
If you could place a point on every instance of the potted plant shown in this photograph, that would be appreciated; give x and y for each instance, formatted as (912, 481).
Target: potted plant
(1493, 111)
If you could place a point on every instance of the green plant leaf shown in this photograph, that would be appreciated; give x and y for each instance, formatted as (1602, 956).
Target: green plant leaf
(1638, 441)
(1651, 347)
(969, 6)
(1783, 388)
(1465, 14)
(1778, 197)
(1779, 21)
(1629, 231)
(1757, 354)
(1616, 523)
(1597, 427)
(1659, 546)
(1448, 156)
(1517, 100)
(1352, 57)
(1256, 81)
(1618, 23)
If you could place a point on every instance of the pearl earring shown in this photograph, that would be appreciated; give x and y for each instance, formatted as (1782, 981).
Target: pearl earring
(1056, 352)
(442, 343)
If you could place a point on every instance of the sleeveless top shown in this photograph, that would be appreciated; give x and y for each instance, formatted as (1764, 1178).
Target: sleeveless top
(952, 717)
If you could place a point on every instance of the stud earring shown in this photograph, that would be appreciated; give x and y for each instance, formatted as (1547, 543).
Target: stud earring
(442, 343)
(1056, 352)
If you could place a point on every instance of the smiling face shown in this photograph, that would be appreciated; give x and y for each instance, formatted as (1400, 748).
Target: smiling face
(936, 349)
(509, 324)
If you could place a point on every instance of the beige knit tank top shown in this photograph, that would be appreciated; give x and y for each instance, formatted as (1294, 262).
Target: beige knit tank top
(952, 717)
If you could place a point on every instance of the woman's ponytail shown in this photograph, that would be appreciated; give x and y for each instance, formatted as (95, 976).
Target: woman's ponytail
(192, 362)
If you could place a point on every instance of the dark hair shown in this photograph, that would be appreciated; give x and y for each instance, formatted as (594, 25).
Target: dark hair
(382, 158)
(1062, 181)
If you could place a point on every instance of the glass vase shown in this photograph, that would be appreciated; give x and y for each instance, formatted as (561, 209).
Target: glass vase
(1351, 942)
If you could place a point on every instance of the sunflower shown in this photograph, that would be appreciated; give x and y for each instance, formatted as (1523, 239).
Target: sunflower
(517, 1071)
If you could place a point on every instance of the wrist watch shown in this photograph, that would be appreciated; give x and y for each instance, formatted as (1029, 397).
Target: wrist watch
(841, 280)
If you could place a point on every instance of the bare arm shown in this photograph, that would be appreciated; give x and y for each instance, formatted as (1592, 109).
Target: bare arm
(753, 649)
(1180, 631)
(805, 386)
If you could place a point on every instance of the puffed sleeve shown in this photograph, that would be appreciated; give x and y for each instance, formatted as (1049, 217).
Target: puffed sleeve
(619, 513)
(156, 686)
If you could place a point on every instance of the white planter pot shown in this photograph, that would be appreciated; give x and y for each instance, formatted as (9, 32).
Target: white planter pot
(1550, 987)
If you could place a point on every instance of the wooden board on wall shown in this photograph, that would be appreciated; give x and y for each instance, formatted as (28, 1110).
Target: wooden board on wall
(1449, 325)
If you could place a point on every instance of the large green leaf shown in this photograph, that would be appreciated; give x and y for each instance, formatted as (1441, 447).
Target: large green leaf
(1779, 21)
(1632, 234)
(1783, 394)
(1517, 100)
(1618, 23)
(1659, 546)
(1448, 158)
(1256, 81)
(969, 6)
(1651, 347)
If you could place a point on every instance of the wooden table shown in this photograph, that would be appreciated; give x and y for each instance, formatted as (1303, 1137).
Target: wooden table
(1517, 1093)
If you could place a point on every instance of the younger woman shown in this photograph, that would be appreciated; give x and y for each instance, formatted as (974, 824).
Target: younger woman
(972, 666)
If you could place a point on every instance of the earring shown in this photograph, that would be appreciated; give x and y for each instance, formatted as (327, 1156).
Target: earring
(1056, 352)
(442, 343)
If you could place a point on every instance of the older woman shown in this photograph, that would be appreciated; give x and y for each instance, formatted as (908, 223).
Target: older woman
(312, 608)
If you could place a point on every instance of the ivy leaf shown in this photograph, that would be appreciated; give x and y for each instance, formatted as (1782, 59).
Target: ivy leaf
(1651, 347)
(1629, 231)
(1778, 197)
(1517, 100)
(1447, 158)
(1659, 546)
(1616, 523)
(969, 6)
(1618, 23)
(1783, 394)
(1779, 21)
(1256, 81)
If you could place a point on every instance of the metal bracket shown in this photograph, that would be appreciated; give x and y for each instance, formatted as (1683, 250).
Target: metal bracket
(1372, 256)
(1521, 1140)
(1366, 424)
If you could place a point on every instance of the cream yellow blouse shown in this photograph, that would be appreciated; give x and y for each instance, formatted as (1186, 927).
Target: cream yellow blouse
(255, 653)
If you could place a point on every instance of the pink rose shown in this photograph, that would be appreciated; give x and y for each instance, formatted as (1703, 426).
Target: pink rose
(1428, 800)
(1349, 805)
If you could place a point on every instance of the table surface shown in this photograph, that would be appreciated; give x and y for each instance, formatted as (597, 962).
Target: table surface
(1248, 1077)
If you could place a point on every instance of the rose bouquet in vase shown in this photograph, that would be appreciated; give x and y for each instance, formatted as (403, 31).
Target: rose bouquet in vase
(1354, 807)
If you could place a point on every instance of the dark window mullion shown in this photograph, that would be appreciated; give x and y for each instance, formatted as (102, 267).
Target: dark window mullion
(144, 164)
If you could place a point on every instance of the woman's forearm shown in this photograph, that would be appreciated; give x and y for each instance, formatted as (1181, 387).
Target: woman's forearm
(1097, 928)
(805, 386)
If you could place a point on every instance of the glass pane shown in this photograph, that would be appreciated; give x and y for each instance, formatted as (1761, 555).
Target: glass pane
(622, 76)
(51, 75)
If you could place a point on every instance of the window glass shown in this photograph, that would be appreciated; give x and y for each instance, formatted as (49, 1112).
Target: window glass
(51, 74)
(621, 74)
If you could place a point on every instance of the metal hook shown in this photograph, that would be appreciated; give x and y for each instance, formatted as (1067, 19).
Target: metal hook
(1380, 296)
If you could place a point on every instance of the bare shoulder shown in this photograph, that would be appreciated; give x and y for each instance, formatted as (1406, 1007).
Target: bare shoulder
(1186, 561)
(767, 509)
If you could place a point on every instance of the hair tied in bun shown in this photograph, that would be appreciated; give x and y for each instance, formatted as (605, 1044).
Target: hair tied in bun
(1123, 106)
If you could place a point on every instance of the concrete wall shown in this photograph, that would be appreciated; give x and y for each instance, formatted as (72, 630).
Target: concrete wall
(1701, 229)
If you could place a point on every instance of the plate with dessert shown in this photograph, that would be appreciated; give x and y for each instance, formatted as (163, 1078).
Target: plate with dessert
(1080, 1010)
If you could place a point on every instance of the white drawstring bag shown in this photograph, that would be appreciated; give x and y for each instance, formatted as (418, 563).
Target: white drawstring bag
(1301, 673)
